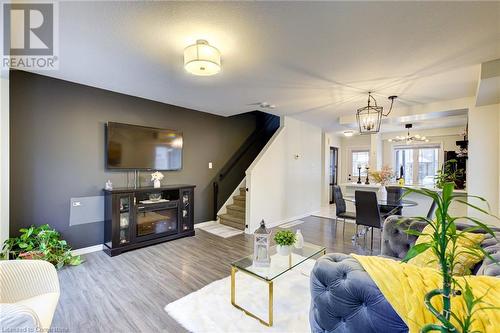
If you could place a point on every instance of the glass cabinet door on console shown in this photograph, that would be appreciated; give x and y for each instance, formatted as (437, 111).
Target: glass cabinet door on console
(186, 209)
(125, 214)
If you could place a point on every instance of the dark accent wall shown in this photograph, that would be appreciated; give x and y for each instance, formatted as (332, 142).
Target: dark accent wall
(57, 149)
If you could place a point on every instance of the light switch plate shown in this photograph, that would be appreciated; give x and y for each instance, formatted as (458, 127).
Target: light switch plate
(210, 165)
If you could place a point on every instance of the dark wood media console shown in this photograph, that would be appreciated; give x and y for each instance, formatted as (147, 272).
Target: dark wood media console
(133, 220)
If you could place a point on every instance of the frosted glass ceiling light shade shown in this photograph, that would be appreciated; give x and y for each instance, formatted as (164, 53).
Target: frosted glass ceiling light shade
(202, 59)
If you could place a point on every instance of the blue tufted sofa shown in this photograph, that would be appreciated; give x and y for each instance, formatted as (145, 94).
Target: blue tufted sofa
(344, 299)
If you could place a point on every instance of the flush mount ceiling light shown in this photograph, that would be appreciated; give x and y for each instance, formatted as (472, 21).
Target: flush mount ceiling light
(266, 105)
(202, 59)
(348, 133)
(370, 116)
(409, 139)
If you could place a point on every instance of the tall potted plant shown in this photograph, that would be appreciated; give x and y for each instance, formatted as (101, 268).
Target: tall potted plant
(443, 242)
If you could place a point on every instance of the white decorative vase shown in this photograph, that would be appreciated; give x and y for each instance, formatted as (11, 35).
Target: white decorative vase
(299, 240)
(382, 193)
(156, 183)
(284, 250)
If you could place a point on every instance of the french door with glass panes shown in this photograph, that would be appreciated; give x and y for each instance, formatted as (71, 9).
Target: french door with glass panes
(417, 164)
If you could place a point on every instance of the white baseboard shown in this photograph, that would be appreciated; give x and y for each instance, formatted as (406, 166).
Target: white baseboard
(89, 249)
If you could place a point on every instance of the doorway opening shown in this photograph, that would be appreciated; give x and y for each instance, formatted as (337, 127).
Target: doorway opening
(333, 171)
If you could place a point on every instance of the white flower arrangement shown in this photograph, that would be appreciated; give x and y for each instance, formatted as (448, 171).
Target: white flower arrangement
(157, 176)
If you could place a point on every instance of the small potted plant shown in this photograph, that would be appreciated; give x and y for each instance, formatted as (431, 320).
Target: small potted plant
(284, 240)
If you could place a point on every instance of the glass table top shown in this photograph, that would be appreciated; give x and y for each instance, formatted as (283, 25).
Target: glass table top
(279, 263)
(397, 203)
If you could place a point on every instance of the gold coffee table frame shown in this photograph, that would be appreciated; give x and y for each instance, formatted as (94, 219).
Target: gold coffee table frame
(307, 252)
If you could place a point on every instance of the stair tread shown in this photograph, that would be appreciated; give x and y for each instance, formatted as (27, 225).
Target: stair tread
(236, 207)
(239, 197)
(232, 224)
(232, 218)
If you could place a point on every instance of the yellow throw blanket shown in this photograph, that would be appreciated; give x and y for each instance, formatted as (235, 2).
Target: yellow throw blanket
(405, 285)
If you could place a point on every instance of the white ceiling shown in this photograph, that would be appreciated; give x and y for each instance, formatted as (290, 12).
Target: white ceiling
(314, 61)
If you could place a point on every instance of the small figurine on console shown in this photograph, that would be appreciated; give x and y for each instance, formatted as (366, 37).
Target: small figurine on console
(109, 185)
(156, 177)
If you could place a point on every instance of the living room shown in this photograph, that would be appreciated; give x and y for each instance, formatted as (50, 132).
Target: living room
(250, 166)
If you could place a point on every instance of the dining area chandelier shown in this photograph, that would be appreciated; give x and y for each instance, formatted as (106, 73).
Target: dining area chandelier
(409, 139)
(369, 117)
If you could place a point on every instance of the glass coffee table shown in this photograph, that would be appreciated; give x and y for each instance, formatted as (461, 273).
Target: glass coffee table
(279, 265)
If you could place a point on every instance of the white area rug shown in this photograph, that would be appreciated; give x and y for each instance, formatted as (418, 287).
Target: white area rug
(209, 309)
(218, 229)
(290, 224)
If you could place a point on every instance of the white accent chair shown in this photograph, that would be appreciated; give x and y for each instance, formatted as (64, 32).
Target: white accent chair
(29, 292)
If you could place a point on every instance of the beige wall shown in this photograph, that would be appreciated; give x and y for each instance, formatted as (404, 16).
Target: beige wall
(285, 181)
(483, 176)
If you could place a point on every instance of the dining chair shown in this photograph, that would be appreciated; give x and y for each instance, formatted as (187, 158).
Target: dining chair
(367, 212)
(340, 208)
(394, 194)
(432, 208)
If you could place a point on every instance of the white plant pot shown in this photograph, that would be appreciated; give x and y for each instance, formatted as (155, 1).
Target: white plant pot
(156, 184)
(284, 250)
(299, 243)
(382, 193)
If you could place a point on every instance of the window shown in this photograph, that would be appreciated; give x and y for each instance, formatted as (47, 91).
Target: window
(417, 165)
(359, 158)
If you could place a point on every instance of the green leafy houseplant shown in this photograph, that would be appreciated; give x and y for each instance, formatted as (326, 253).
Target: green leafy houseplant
(448, 174)
(284, 238)
(42, 243)
(443, 242)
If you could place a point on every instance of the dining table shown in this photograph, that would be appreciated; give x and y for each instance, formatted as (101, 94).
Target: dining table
(391, 205)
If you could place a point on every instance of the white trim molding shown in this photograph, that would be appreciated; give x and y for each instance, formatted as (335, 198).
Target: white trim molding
(89, 249)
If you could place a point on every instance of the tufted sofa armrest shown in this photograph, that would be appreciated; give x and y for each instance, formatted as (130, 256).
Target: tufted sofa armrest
(396, 242)
(344, 299)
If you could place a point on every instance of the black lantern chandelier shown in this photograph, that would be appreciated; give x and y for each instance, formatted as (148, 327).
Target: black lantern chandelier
(370, 116)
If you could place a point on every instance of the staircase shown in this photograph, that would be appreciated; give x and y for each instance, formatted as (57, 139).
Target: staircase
(231, 175)
(235, 216)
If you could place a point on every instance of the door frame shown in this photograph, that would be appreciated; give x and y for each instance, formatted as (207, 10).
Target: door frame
(333, 168)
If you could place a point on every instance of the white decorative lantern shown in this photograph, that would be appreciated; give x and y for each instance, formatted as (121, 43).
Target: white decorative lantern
(261, 242)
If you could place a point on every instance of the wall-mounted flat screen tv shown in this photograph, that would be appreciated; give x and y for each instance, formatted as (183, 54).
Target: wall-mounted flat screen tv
(142, 148)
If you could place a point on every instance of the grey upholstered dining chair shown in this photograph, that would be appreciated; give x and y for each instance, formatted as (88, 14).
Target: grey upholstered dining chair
(367, 212)
(340, 208)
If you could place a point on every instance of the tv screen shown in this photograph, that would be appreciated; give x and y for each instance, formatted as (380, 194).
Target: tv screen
(142, 148)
